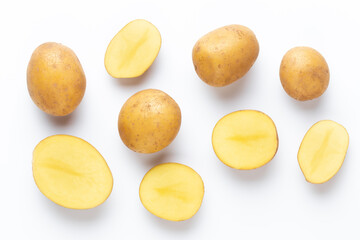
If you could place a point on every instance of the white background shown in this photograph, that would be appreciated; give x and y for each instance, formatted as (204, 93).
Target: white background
(272, 202)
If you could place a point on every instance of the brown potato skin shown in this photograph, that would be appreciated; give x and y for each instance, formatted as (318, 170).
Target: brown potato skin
(225, 54)
(55, 79)
(149, 121)
(304, 73)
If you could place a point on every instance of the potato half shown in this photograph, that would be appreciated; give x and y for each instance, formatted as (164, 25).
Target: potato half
(245, 139)
(225, 54)
(304, 73)
(322, 151)
(55, 79)
(172, 191)
(132, 51)
(71, 172)
(149, 121)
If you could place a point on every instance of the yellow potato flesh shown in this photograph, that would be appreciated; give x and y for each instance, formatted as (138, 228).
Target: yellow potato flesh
(323, 150)
(132, 51)
(71, 172)
(172, 191)
(245, 139)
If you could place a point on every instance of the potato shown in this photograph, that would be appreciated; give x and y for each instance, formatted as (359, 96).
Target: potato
(71, 172)
(245, 139)
(304, 73)
(172, 191)
(322, 151)
(55, 79)
(225, 54)
(132, 51)
(149, 121)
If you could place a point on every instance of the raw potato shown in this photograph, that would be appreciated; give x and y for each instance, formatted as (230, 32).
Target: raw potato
(55, 79)
(71, 172)
(225, 54)
(132, 51)
(245, 139)
(149, 121)
(304, 73)
(172, 191)
(322, 151)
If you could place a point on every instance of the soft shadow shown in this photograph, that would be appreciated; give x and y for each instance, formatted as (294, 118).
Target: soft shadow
(251, 175)
(138, 80)
(235, 88)
(86, 215)
(62, 121)
(176, 226)
(154, 159)
(307, 105)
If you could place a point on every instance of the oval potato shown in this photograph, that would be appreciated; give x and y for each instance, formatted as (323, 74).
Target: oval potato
(304, 73)
(225, 55)
(55, 79)
(149, 121)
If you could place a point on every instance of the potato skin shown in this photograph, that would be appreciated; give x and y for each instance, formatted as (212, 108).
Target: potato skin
(225, 54)
(304, 73)
(55, 79)
(149, 121)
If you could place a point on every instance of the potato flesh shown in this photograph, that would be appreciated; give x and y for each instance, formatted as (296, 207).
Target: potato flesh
(132, 51)
(245, 139)
(322, 151)
(172, 191)
(71, 172)
(149, 121)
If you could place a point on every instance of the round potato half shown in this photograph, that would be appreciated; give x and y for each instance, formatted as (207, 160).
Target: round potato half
(245, 139)
(172, 191)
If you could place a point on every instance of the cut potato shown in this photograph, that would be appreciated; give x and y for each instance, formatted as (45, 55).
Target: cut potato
(149, 121)
(71, 172)
(245, 139)
(322, 151)
(132, 51)
(172, 191)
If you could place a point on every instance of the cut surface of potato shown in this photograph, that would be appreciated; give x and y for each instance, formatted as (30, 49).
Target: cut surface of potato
(71, 172)
(245, 139)
(172, 191)
(133, 49)
(322, 151)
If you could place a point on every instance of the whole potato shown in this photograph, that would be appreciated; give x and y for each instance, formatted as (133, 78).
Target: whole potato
(304, 73)
(225, 54)
(149, 121)
(55, 79)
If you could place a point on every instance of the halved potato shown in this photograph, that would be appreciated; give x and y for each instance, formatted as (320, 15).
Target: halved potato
(172, 191)
(133, 49)
(322, 151)
(71, 172)
(245, 139)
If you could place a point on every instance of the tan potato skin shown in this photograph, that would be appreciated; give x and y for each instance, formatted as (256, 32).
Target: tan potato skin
(225, 54)
(304, 73)
(55, 79)
(149, 121)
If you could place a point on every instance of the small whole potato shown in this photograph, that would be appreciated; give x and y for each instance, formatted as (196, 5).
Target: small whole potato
(55, 79)
(304, 73)
(149, 121)
(225, 55)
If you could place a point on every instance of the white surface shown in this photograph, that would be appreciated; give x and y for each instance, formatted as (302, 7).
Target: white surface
(272, 202)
